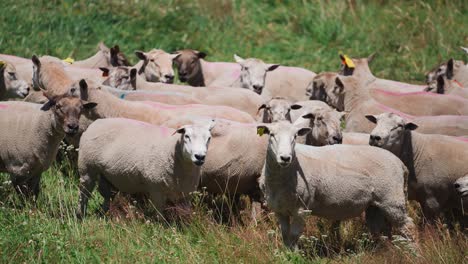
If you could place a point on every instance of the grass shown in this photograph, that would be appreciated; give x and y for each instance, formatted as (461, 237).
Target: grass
(409, 36)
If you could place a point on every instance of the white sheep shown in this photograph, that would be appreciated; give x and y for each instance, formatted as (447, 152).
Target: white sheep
(336, 182)
(137, 157)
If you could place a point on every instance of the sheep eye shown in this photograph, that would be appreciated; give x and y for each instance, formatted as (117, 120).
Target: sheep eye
(152, 60)
(186, 136)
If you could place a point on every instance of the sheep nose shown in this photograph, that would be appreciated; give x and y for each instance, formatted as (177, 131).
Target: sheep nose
(200, 157)
(375, 138)
(258, 87)
(338, 139)
(72, 126)
(169, 76)
(182, 73)
(456, 185)
(286, 158)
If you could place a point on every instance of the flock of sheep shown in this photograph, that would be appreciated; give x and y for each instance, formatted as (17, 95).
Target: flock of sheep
(271, 132)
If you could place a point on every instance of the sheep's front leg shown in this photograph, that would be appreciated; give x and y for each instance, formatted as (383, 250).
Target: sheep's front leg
(297, 227)
(285, 228)
(87, 184)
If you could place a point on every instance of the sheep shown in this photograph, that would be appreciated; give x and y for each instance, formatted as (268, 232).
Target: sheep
(253, 73)
(105, 57)
(241, 99)
(349, 94)
(50, 76)
(332, 182)
(156, 65)
(30, 137)
(361, 70)
(10, 85)
(137, 157)
(434, 162)
(322, 119)
(455, 70)
(461, 187)
(443, 85)
(288, 82)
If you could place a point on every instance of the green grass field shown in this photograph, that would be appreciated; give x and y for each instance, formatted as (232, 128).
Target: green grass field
(410, 37)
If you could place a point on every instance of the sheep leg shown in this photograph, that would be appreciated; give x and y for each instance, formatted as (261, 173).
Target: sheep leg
(431, 208)
(106, 190)
(87, 183)
(297, 227)
(26, 187)
(398, 217)
(158, 200)
(375, 221)
(285, 228)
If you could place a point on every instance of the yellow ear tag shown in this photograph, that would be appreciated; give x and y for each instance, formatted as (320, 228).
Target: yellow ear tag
(2, 63)
(260, 131)
(69, 60)
(348, 62)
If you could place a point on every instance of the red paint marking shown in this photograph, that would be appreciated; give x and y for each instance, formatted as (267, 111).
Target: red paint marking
(464, 139)
(391, 110)
(3, 106)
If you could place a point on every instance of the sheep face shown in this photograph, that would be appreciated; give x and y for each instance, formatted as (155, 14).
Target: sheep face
(16, 88)
(389, 131)
(188, 63)
(157, 65)
(196, 139)
(122, 78)
(461, 186)
(447, 69)
(282, 140)
(277, 109)
(253, 73)
(326, 126)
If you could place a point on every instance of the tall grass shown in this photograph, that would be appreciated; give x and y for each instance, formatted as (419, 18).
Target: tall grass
(409, 36)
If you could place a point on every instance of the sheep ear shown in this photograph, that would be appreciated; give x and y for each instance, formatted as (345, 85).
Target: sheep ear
(201, 54)
(262, 129)
(114, 55)
(303, 131)
(36, 61)
(372, 118)
(83, 90)
(411, 126)
(212, 124)
(371, 57)
(464, 49)
(263, 106)
(440, 85)
(133, 78)
(175, 56)
(89, 105)
(140, 54)
(449, 71)
(48, 105)
(180, 130)
(296, 106)
(238, 59)
(102, 46)
(309, 116)
(273, 67)
(340, 84)
(105, 71)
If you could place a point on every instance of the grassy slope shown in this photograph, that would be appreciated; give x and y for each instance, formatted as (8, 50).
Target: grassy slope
(410, 38)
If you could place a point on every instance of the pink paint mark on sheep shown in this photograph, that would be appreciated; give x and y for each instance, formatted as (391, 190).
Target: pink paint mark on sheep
(3, 106)
(390, 93)
(391, 110)
(464, 139)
